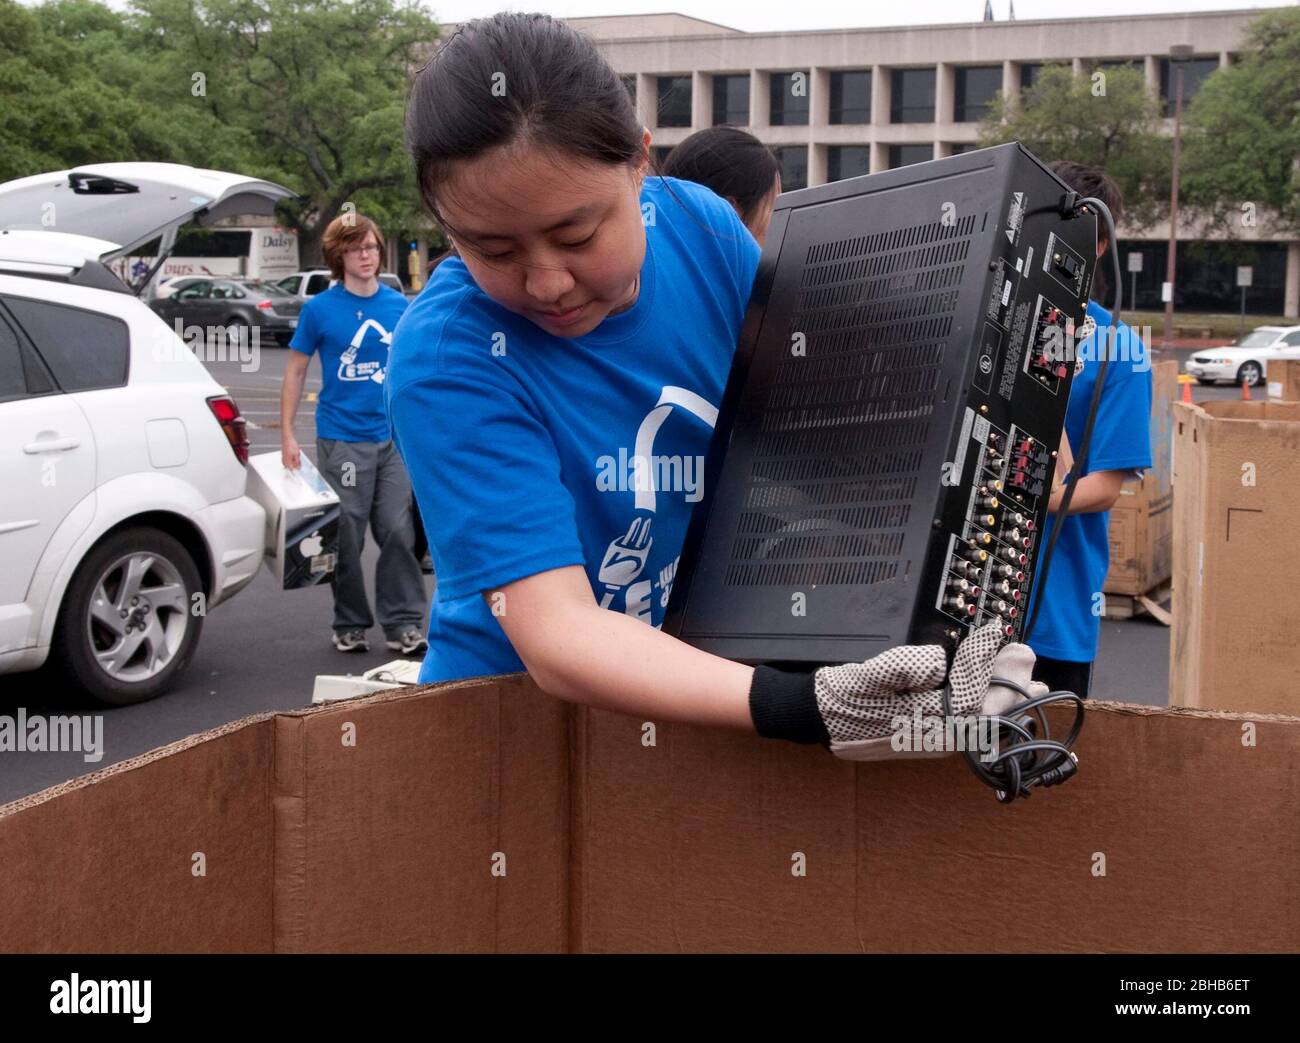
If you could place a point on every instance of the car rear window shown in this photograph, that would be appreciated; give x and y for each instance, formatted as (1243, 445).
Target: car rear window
(85, 350)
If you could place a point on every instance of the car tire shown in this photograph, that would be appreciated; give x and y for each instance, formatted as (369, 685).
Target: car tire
(1250, 372)
(152, 567)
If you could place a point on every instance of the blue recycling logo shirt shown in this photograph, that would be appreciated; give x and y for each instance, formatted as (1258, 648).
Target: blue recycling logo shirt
(353, 335)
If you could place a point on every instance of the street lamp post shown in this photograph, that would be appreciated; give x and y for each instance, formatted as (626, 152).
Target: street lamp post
(1179, 54)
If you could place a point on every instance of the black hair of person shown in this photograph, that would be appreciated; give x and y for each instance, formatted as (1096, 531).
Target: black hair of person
(732, 162)
(1093, 181)
(516, 79)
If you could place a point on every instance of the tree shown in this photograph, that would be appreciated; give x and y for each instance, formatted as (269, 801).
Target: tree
(316, 87)
(1106, 118)
(54, 110)
(1244, 130)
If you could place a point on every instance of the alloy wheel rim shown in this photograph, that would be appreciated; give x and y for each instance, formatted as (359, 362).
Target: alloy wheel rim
(138, 617)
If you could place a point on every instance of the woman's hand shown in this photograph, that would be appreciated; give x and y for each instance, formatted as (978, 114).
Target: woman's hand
(855, 708)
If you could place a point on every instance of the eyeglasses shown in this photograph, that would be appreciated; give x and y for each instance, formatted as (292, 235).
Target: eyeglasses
(355, 250)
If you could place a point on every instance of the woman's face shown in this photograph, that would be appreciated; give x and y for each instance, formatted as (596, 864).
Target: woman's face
(762, 217)
(555, 240)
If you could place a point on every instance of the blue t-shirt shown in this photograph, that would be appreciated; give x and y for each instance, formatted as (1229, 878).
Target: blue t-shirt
(530, 452)
(353, 335)
(1069, 623)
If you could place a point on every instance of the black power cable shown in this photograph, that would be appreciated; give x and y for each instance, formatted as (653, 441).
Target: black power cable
(1026, 759)
(1074, 204)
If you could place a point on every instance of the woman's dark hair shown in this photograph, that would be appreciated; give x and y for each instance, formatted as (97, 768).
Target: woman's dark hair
(515, 77)
(733, 163)
(1093, 181)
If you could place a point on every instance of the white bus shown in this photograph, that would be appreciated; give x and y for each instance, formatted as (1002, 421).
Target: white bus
(268, 253)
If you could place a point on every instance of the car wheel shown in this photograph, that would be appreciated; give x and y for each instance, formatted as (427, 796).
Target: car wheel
(125, 629)
(1205, 380)
(1250, 373)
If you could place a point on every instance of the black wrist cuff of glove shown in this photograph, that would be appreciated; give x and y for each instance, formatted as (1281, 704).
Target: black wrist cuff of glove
(783, 705)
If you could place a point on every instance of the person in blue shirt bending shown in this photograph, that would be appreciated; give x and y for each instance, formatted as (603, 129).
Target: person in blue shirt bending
(553, 391)
(1064, 636)
(350, 325)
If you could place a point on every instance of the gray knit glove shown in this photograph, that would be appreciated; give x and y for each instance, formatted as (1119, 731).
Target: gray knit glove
(881, 708)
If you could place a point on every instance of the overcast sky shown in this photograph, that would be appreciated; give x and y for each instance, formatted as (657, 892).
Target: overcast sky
(842, 14)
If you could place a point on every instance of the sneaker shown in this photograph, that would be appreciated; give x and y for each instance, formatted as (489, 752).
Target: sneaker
(408, 642)
(351, 641)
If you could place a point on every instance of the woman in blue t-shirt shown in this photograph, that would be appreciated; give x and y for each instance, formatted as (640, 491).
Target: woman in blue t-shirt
(553, 391)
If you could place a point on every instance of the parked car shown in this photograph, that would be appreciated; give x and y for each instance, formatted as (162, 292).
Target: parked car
(172, 284)
(124, 516)
(308, 283)
(232, 303)
(1246, 361)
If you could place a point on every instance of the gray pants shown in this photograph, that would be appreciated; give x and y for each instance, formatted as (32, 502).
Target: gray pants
(373, 488)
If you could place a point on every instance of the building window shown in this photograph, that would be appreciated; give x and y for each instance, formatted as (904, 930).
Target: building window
(658, 153)
(851, 96)
(789, 97)
(674, 101)
(906, 155)
(629, 83)
(847, 161)
(912, 99)
(974, 88)
(1194, 74)
(958, 147)
(793, 161)
(731, 100)
(1029, 73)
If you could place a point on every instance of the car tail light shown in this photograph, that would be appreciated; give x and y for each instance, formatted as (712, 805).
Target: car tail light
(227, 413)
(264, 305)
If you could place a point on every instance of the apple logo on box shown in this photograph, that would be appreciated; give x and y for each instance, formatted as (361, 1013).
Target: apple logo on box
(311, 546)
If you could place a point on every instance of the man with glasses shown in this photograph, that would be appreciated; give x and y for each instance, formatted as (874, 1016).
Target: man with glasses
(351, 326)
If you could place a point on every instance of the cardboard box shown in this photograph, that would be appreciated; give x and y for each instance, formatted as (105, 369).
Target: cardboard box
(302, 520)
(1284, 379)
(485, 816)
(1141, 523)
(1236, 556)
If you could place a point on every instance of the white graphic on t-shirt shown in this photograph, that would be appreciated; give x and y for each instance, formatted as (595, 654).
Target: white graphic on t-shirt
(350, 368)
(625, 557)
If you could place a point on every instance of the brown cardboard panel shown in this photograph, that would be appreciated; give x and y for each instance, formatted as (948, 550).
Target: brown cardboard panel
(1236, 557)
(105, 863)
(1284, 379)
(1141, 523)
(691, 845)
(392, 809)
(1124, 565)
(1190, 823)
(701, 840)
(687, 846)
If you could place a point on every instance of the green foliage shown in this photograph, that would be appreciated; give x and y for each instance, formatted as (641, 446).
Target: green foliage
(1243, 138)
(1105, 118)
(308, 93)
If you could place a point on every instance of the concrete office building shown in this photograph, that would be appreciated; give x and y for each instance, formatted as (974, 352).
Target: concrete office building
(839, 103)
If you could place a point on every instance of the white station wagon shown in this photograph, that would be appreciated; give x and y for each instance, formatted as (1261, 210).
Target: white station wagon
(123, 514)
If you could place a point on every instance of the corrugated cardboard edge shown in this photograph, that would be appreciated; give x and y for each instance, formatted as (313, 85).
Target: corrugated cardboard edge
(33, 800)
(291, 808)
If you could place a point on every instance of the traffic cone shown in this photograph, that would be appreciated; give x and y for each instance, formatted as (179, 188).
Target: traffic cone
(1245, 390)
(1187, 391)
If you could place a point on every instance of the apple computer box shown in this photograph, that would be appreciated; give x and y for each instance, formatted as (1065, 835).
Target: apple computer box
(302, 520)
